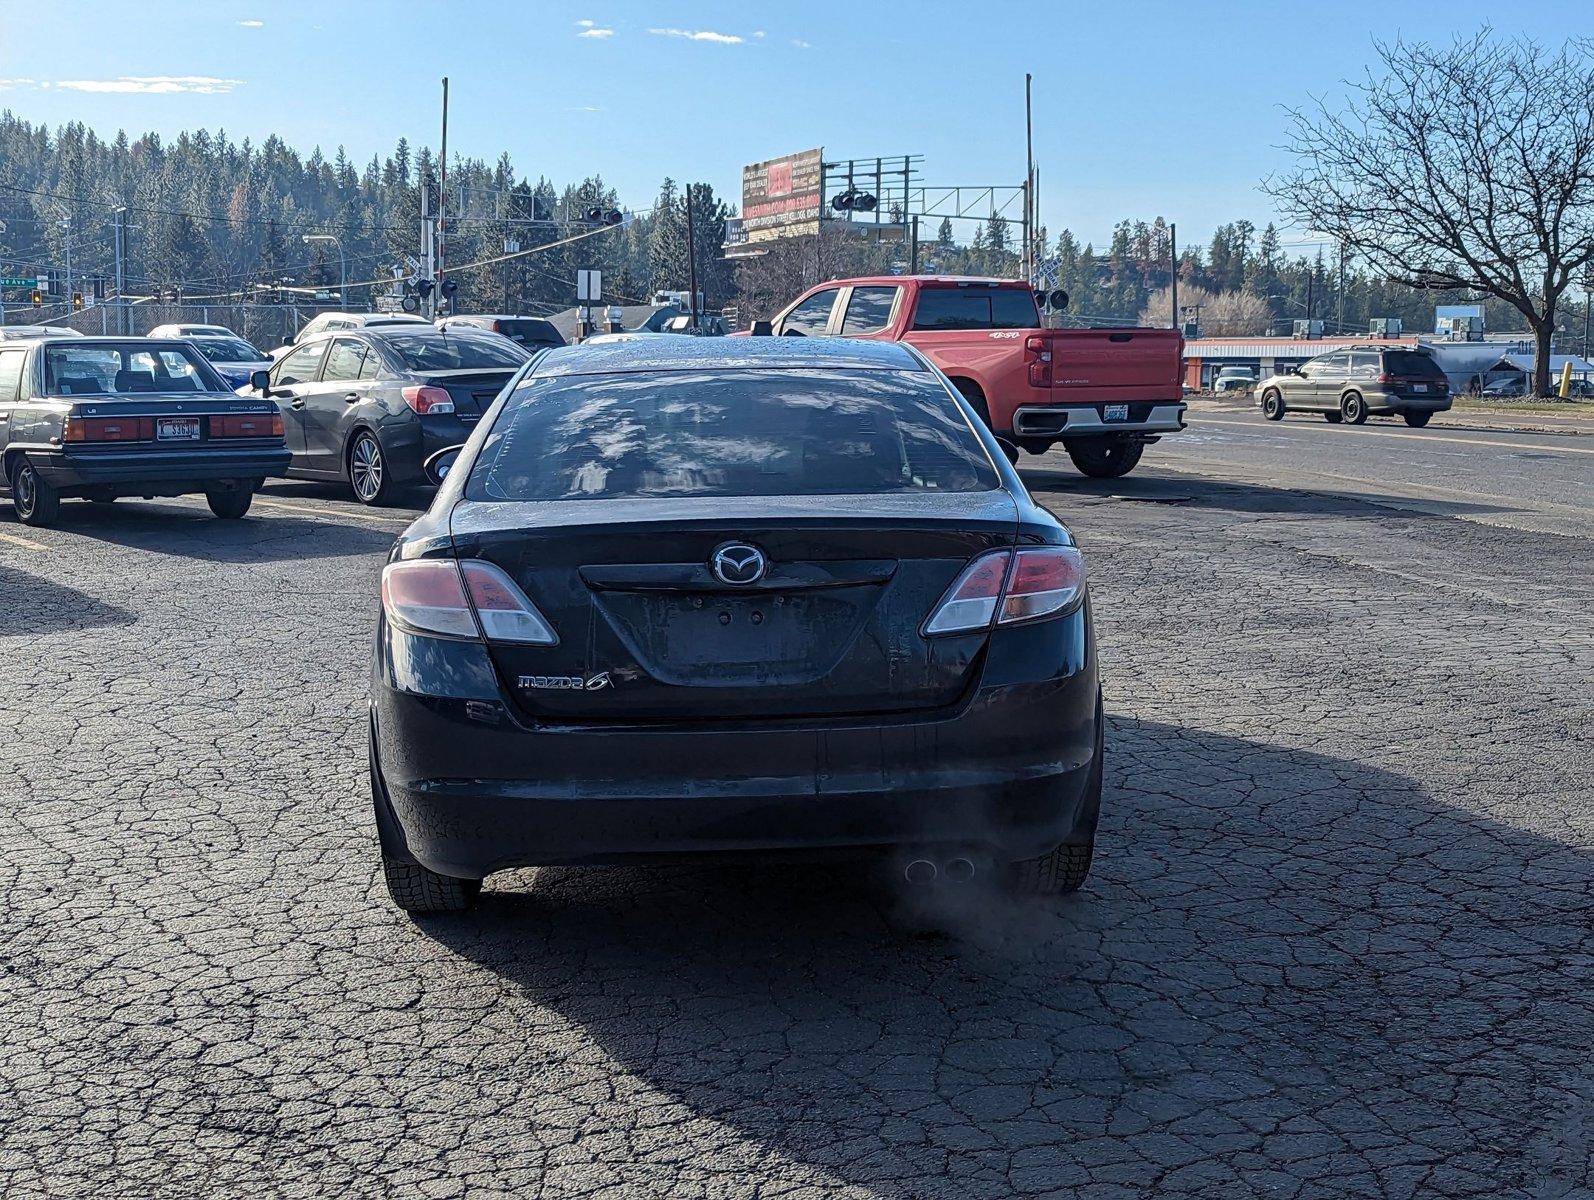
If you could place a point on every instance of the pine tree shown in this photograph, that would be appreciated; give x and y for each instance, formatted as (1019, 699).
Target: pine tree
(944, 241)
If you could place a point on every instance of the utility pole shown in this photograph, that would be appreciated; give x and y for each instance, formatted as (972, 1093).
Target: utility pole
(1029, 185)
(428, 255)
(119, 233)
(442, 199)
(691, 260)
(1173, 268)
(1340, 319)
(913, 248)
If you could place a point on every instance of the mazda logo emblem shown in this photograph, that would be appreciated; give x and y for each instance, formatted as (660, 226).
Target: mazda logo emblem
(738, 563)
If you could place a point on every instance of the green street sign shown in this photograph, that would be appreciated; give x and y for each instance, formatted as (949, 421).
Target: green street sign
(9, 282)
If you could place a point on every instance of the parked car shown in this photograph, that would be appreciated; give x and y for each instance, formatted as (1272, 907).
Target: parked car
(368, 405)
(1234, 379)
(101, 418)
(1104, 394)
(531, 332)
(22, 333)
(1351, 385)
(234, 357)
(1512, 387)
(693, 595)
(329, 322)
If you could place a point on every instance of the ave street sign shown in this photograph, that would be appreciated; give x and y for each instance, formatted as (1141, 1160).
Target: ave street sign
(8, 281)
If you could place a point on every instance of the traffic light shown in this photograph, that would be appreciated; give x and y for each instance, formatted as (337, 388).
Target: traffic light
(448, 287)
(853, 201)
(603, 216)
(77, 301)
(424, 288)
(38, 298)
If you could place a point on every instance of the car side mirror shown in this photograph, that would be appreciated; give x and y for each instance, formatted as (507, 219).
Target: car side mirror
(440, 464)
(763, 328)
(261, 382)
(287, 341)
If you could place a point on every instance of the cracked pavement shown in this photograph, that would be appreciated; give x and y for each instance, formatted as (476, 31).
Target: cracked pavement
(1337, 942)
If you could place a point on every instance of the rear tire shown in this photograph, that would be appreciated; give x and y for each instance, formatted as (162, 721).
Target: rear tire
(1273, 405)
(1065, 868)
(418, 890)
(970, 391)
(369, 473)
(1105, 458)
(37, 503)
(230, 505)
(1353, 408)
(1333, 418)
(1417, 419)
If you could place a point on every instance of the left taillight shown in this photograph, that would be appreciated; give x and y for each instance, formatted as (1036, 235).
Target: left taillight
(108, 429)
(470, 599)
(428, 399)
(1008, 587)
(246, 425)
(1038, 353)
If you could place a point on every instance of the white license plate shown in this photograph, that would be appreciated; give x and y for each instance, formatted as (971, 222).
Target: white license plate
(1419, 387)
(177, 429)
(1116, 412)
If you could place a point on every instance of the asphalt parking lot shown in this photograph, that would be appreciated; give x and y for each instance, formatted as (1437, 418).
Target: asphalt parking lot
(1337, 941)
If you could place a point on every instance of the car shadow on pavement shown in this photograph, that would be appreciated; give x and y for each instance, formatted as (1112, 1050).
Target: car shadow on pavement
(1055, 488)
(409, 503)
(1290, 973)
(189, 531)
(33, 607)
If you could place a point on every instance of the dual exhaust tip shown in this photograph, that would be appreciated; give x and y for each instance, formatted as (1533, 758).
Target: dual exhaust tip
(923, 871)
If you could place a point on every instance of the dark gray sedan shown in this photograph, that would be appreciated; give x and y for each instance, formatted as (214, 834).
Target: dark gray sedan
(368, 406)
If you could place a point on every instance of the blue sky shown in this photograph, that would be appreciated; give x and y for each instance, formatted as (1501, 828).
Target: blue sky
(1140, 108)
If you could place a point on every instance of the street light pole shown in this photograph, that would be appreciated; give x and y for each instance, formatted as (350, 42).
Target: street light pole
(343, 270)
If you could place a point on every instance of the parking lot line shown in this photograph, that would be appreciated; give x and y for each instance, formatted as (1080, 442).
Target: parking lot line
(325, 513)
(25, 543)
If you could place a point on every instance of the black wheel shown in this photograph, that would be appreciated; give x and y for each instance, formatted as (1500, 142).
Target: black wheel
(1333, 418)
(36, 502)
(1064, 869)
(1353, 408)
(229, 505)
(1417, 419)
(1273, 405)
(971, 392)
(418, 890)
(1105, 458)
(368, 470)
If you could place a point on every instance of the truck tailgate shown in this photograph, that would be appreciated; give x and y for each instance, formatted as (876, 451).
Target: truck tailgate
(1094, 366)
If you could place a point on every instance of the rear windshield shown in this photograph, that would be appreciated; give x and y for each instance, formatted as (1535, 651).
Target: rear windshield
(729, 433)
(537, 333)
(440, 350)
(976, 308)
(127, 368)
(1404, 362)
(225, 349)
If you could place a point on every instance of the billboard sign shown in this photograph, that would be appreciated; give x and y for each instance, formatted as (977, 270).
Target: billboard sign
(781, 197)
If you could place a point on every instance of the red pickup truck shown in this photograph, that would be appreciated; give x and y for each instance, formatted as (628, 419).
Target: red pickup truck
(1103, 393)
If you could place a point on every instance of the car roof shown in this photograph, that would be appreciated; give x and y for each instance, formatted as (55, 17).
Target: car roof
(29, 333)
(686, 353)
(946, 280)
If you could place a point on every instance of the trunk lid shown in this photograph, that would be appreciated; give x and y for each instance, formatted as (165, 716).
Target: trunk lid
(649, 633)
(473, 391)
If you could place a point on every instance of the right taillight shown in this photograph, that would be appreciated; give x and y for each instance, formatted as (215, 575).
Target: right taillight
(470, 600)
(1038, 353)
(1007, 587)
(428, 399)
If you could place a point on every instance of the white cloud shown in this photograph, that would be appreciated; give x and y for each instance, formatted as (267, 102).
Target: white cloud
(759, 34)
(252, 24)
(588, 108)
(597, 31)
(799, 43)
(16, 83)
(585, 24)
(153, 85)
(701, 35)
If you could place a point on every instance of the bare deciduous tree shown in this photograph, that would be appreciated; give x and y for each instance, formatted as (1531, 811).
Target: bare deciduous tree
(1222, 314)
(1469, 166)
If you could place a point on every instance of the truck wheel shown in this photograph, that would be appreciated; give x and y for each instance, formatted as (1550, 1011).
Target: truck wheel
(1105, 458)
(36, 502)
(1353, 408)
(1272, 405)
(970, 391)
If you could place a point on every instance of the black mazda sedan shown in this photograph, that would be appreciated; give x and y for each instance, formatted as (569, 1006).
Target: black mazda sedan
(750, 597)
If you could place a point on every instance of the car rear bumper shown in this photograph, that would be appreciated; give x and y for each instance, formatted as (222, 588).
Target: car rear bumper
(170, 471)
(1410, 404)
(1090, 420)
(464, 787)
